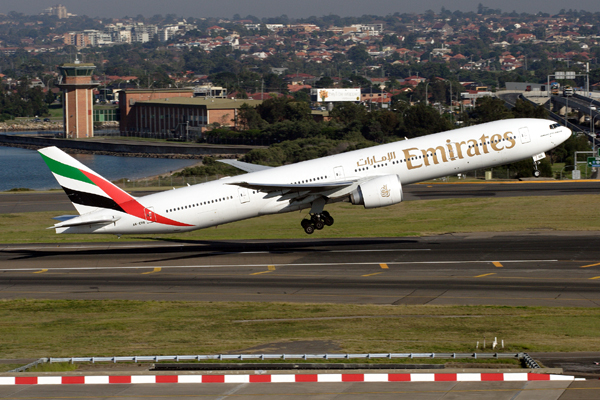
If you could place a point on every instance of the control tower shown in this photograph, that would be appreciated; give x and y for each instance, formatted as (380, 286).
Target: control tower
(78, 99)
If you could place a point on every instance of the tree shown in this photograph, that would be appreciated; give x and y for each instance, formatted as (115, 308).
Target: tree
(526, 109)
(283, 109)
(358, 54)
(324, 82)
(422, 120)
(490, 109)
(249, 118)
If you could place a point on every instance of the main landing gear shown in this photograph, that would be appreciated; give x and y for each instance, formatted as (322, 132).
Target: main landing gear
(316, 221)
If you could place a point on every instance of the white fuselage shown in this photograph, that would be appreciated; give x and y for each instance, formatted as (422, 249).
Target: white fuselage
(414, 160)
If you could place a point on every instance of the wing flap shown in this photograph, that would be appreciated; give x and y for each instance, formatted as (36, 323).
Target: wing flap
(286, 188)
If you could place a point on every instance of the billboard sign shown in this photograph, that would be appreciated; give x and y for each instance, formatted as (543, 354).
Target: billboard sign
(330, 95)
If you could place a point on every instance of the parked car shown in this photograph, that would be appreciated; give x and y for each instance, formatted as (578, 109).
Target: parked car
(46, 119)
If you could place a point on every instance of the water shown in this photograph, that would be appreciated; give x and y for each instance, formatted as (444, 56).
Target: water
(21, 168)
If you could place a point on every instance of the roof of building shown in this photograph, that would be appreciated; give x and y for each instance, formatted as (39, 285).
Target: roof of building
(208, 102)
(174, 90)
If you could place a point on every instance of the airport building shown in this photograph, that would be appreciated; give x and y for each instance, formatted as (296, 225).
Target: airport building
(162, 115)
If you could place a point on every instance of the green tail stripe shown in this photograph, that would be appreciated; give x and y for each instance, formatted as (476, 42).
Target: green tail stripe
(66, 170)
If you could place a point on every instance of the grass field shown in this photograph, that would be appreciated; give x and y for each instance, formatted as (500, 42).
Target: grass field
(414, 218)
(63, 328)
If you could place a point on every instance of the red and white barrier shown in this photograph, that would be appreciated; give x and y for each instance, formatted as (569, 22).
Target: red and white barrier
(281, 378)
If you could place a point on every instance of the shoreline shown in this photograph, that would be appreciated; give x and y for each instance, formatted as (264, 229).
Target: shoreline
(175, 156)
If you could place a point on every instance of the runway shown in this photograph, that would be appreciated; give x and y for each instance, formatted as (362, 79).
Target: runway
(553, 269)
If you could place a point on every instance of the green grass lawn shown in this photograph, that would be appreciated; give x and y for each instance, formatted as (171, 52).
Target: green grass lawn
(414, 218)
(64, 328)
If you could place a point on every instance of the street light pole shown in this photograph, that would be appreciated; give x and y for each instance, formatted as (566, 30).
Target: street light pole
(426, 98)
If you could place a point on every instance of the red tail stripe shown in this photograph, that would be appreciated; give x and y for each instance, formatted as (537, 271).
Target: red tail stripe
(126, 202)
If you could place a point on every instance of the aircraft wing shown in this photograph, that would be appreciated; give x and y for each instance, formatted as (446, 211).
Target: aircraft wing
(245, 166)
(301, 189)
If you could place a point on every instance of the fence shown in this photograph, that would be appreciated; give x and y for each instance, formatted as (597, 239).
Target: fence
(524, 357)
(234, 357)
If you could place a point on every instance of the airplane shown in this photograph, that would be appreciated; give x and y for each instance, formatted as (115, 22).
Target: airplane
(371, 177)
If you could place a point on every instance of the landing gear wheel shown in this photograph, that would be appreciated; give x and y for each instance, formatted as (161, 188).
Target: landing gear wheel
(327, 218)
(536, 173)
(318, 222)
(308, 226)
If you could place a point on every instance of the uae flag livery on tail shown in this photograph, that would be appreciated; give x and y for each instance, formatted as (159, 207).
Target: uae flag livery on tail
(89, 192)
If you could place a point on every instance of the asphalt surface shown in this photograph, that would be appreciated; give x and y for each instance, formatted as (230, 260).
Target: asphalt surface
(20, 202)
(554, 269)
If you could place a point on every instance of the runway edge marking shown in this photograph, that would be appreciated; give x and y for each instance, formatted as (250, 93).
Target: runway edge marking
(283, 378)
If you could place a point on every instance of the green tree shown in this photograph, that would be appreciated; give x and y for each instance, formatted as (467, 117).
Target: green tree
(249, 118)
(489, 109)
(422, 120)
(358, 54)
(283, 109)
(526, 109)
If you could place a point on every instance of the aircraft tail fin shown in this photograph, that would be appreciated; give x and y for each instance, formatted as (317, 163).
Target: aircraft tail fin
(87, 190)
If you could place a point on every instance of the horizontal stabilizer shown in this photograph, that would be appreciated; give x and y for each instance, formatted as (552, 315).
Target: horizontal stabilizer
(63, 218)
(245, 166)
(87, 220)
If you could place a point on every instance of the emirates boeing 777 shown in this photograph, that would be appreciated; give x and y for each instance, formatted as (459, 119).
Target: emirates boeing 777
(371, 177)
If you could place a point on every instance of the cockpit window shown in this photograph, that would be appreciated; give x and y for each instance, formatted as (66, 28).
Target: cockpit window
(554, 126)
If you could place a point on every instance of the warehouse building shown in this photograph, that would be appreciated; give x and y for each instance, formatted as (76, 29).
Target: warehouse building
(178, 117)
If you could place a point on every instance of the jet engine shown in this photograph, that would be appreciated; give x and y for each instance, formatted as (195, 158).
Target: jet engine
(378, 192)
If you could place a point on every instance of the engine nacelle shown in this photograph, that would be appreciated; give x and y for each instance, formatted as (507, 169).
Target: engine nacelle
(378, 192)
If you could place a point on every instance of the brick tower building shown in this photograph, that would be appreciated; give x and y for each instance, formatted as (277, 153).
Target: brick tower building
(78, 99)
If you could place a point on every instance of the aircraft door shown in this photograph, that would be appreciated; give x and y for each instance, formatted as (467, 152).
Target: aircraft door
(338, 173)
(524, 132)
(244, 197)
(149, 214)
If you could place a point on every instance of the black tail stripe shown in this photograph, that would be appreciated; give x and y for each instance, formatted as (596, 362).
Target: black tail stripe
(92, 200)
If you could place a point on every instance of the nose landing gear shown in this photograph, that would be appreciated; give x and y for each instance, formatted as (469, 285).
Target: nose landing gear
(316, 221)
(536, 171)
